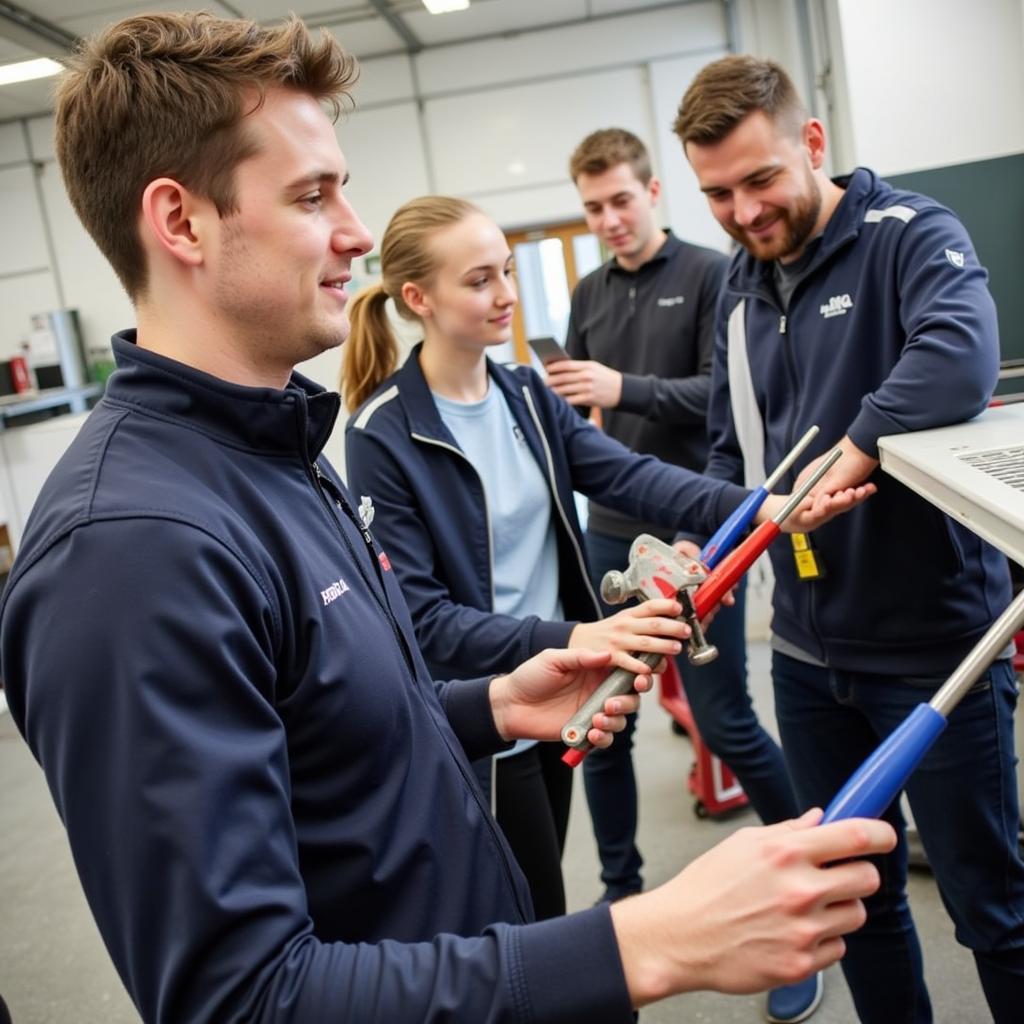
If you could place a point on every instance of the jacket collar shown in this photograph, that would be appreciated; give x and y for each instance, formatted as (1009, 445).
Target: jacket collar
(666, 252)
(418, 402)
(296, 419)
(860, 189)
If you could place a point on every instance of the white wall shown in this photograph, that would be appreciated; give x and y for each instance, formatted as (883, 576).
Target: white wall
(27, 281)
(933, 82)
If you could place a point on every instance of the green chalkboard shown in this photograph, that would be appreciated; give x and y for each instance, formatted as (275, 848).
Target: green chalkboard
(988, 196)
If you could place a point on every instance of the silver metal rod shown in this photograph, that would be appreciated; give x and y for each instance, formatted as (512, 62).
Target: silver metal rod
(984, 652)
(794, 453)
(574, 732)
(798, 495)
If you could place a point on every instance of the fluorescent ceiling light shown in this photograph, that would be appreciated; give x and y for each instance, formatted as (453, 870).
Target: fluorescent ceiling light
(444, 6)
(26, 70)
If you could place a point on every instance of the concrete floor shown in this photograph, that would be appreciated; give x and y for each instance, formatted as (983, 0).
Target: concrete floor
(54, 969)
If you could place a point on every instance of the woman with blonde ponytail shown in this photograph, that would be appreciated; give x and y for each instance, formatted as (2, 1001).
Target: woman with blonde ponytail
(468, 470)
(371, 353)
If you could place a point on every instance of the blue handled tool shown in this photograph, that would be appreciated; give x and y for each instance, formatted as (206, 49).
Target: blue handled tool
(875, 784)
(729, 532)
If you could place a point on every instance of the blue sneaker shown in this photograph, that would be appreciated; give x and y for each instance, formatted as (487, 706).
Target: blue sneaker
(793, 1003)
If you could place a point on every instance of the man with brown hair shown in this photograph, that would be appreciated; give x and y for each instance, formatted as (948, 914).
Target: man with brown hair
(269, 803)
(641, 338)
(864, 310)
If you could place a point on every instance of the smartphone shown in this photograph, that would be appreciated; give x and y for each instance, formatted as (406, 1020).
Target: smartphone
(548, 350)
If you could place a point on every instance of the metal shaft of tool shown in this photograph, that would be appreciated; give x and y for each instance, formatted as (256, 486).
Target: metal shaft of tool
(794, 453)
(618, 682)
(798, 495)
(985, 651)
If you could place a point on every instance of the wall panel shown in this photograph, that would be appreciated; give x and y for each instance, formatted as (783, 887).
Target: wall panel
(523, 135)
(610, 43)
(686, 208)
(386, 161)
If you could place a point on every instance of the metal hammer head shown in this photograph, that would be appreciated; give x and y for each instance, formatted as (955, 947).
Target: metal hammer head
(655, 569)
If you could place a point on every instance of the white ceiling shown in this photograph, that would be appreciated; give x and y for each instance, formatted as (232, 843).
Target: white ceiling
(367, 28)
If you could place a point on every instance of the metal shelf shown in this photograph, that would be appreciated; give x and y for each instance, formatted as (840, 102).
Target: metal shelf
(14, 406)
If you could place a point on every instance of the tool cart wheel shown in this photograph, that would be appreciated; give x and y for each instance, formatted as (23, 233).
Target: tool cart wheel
(700, 809)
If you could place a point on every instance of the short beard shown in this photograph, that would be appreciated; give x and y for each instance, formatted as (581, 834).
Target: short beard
(800, 223)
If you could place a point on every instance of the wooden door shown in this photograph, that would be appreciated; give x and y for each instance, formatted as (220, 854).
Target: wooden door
(549, 262)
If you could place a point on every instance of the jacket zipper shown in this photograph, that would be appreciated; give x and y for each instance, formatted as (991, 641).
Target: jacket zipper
(552, 484)
(326, 491)
(788, 349)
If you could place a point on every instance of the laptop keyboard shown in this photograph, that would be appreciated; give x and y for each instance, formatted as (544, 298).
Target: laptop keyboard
(1006, 464)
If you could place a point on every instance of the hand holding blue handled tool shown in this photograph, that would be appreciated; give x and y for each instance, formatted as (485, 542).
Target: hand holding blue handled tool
(728, 533)
(875, 784)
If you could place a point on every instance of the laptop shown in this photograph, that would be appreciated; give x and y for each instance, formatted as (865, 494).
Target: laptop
(973, 471)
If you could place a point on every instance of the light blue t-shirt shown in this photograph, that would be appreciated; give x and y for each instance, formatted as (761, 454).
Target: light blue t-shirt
(525, 569)
(525, 549)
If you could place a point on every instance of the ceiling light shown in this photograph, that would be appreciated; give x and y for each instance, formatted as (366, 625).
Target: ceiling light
(26, 70)
(445, 6)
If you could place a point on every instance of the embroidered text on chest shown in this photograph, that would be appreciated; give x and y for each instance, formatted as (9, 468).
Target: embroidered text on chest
(836, 306)
(334, 591)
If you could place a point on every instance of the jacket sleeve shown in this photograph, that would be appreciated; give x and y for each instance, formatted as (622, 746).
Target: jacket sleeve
(455, 638)
(949, 363)
(168, 762)
(681, 400)
(641, 486)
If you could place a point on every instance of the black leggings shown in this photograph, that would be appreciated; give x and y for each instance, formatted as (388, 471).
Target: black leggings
(532, 794)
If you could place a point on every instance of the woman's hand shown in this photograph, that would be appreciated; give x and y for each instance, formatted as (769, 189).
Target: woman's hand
(652, 626)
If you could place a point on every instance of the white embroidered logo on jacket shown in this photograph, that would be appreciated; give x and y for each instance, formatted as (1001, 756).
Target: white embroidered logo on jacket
(836, 306)
(366, 510)
(334, 591)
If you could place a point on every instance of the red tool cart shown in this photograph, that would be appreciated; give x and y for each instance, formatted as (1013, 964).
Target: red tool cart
(716, 789)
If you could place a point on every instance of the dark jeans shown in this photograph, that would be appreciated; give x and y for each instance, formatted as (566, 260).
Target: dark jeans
(724, 715)
(964, 800)
(532, 796)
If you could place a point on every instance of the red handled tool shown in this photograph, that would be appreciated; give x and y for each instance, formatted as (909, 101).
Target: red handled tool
(728, 572)
(656, 570)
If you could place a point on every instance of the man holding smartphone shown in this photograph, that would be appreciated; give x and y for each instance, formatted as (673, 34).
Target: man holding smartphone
(640, 345)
